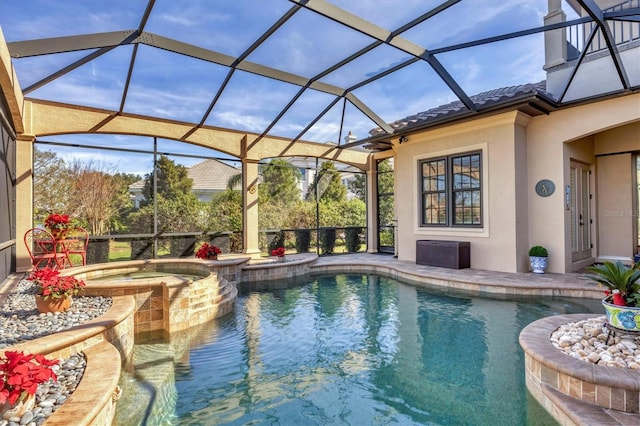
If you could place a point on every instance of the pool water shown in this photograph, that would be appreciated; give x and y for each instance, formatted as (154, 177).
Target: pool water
(343, 350)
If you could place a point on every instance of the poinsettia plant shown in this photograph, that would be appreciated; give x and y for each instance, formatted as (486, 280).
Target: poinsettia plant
(57, 221)
(51, 284)
(278, 252)
(20, 375)
(207, 250)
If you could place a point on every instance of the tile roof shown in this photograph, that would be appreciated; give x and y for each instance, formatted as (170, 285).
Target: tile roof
(483, 100)
(209, 174)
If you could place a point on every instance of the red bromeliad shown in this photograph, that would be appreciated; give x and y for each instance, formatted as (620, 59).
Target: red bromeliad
(20, 375)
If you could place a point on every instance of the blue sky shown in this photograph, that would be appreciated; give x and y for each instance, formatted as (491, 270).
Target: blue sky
(168, 85)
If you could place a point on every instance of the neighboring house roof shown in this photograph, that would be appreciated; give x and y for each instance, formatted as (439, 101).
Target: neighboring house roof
(484, 100)
(211, 175)
(207, 175)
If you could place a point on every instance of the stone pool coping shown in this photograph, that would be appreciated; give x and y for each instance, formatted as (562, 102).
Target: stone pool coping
(575, 391)
(171, 303)
(94, 400)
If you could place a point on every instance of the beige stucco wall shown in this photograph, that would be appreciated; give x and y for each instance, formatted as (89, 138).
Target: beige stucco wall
(498, 244)
(616, 217)
(614, 207)
(548, 156)
(518, 151)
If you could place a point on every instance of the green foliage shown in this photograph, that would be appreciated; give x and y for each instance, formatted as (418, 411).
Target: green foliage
(182, 246)
(352, 238)
(89, 191)
(327, 184)
(358, 186)
(279, 183)
(301, 215)
(538, 251)
(173, 180)
(51, 185)
(224, 212)
(344, 213)
(386, 208)
(327, 240)
(123, 200)
(303, 240)
(618, 276)
(387, 238)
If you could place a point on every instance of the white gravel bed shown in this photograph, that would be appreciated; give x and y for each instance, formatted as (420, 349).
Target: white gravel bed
(587, 341)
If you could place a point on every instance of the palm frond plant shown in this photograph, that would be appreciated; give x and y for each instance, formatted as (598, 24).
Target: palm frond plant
(618, 276)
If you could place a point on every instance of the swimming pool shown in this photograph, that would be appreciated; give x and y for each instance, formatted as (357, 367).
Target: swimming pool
(343, 350)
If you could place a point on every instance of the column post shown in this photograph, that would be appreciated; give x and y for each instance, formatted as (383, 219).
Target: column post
(555, 42)
(372, 206)
(250, 207)
(24, 198)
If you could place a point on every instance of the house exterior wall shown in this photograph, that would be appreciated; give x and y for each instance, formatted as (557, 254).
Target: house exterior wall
(616, 206)
(580, 133)
(501, 138)
(518, 151)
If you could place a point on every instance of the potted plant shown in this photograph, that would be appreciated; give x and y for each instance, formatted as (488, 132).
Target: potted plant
(279, 253)
(622, 297)
(54, 292)
(20, 375)
(538, 259)
(57, 224)
(208, 251)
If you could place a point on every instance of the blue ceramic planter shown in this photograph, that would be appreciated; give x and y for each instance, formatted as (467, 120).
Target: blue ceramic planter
(622, 317)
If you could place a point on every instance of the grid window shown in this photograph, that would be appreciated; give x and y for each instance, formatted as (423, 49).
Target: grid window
(451, 190)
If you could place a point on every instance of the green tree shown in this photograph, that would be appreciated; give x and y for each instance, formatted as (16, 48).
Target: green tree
(358, 186)
(173, 180)
(386, 211)
(90, 192)
(51, 185)
(124, 202)
(328, 184)
(224, 212)
(179, 210)
(279, 183)
(94, 195)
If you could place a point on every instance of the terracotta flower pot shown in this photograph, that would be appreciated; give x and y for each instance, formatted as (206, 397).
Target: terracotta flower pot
(58, 234)
(53, 304)
(16, 411)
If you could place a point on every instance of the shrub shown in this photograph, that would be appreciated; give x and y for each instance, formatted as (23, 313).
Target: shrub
(538, 251)
(182, 246)
(303, 240)
(352, 238)
(327, 240)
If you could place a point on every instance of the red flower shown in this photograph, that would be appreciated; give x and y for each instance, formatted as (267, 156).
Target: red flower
(50, 284)
(207, 250)
(20, 374)
(278, 252)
